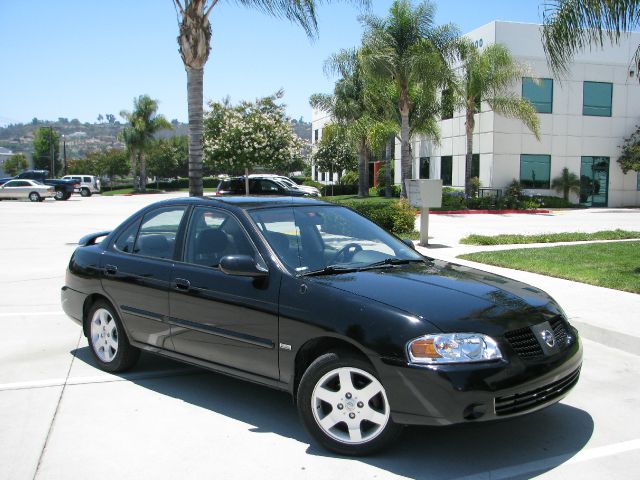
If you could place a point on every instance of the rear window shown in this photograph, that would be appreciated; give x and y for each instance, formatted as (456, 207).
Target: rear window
(235, 186)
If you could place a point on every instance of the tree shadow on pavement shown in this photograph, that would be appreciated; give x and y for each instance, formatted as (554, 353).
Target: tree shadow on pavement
(521, 447)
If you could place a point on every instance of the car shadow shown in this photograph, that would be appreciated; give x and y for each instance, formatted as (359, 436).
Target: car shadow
(521, 447)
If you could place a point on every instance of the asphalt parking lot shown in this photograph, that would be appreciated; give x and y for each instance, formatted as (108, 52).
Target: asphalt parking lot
(62, 418)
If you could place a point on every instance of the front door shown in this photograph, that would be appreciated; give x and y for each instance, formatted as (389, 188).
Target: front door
(224, 319)
(594, 181)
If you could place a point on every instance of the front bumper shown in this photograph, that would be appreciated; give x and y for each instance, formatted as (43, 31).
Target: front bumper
(450, 394)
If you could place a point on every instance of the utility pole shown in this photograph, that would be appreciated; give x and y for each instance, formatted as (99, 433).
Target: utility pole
(64, 153)
(52, 153)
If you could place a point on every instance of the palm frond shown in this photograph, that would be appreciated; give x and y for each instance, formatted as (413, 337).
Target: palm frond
(570, 26)
(513, 105)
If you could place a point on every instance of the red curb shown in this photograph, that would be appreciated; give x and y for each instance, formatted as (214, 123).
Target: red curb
(489, 212)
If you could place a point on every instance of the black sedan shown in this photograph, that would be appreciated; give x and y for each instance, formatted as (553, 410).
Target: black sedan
(365, 333)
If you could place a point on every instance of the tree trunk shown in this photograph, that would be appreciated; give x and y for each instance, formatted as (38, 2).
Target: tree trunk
(195, 101)
(387, 169)
(405, 149)
(363, 187)
(469, 127)
(246, 181)
(134, 168)
(143, 174)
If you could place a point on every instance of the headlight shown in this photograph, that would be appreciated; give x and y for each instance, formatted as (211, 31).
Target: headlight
(453, 348)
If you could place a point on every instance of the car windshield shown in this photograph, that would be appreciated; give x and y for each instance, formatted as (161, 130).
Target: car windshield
(326, 239)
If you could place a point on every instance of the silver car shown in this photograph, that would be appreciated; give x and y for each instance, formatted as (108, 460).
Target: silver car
(19, 189)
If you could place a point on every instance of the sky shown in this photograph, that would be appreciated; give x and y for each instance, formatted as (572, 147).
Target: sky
(82, 58)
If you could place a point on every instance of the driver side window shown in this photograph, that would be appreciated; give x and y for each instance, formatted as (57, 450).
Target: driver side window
(214, 234)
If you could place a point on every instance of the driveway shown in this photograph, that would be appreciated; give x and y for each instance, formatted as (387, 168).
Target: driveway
(61, 418)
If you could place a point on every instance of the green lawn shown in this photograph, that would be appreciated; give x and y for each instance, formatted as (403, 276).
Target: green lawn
(613, 265)
(549, 237)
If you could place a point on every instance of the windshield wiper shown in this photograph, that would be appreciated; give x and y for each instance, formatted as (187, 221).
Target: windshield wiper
(391, 262)
(331, 270)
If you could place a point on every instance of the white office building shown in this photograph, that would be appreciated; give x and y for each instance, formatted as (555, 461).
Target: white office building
(584, 119)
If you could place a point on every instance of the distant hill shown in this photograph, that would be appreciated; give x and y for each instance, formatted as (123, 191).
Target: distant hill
(83, 138)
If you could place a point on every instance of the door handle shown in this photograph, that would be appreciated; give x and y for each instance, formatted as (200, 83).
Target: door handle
(110, 269)
(181, 284)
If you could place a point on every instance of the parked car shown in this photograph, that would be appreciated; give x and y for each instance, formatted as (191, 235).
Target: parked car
(311, 298)
(312, 191)
(63, 188)
(257, 186)
(23, 189)
(87, 184)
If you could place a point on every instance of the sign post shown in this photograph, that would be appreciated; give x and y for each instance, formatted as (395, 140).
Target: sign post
(424, 194)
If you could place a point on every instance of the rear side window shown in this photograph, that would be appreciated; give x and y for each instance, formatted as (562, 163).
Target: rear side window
(127, 239)
(234, 186)
(86, 179)
(158, 232)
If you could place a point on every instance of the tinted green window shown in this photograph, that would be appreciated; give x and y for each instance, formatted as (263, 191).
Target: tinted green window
(447, 104)
(535, 170)
(446, 170)
(540, 94)
(475, 165)
(596, 99)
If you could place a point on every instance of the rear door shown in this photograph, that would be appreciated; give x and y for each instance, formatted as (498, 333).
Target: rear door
(220, 318)
(137, 273)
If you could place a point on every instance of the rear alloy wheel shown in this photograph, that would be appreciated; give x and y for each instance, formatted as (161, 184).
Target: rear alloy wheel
(107, 338)
(59, 195)
(344, 406)
(35, 197)
(85, 192)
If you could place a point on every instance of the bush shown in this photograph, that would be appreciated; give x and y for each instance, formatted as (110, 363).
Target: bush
(349, 178)
(557, 202)
(397, 216)
(453, 199)
(181, 183)
(301, 180)
(474, 186)
(311, 183)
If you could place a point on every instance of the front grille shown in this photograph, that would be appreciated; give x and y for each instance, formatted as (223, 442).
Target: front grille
(521, 402)
(525, 343)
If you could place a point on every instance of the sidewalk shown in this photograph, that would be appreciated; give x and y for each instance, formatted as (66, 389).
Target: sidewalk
(607, 316)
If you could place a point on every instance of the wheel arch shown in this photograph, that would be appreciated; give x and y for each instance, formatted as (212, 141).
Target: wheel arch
(88, 303)
(317, 347)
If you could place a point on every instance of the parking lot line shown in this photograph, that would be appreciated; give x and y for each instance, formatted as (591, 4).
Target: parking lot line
(557, 461)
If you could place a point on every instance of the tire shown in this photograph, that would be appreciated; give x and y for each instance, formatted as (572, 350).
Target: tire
(35, 197)
(59, 195)
(85, 192)
(108, 340)
(354, 419)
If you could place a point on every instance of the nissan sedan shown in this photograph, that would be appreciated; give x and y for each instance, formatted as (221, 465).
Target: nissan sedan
(308, 297)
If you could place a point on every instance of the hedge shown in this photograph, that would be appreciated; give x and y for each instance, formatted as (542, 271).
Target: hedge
(397, 216)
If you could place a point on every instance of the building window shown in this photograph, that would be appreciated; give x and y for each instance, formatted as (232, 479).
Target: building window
(315, 135)
(596, 99)
(540, 94)
(424, 167)
(447, 104)
(322, 176)
(638, 182)
(475, 165)
(446, 170)
(535, 171)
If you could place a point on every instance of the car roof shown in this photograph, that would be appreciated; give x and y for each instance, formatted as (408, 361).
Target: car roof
(246, 202)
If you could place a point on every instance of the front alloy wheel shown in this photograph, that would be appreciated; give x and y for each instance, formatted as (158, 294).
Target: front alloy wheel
(344, 406)
(108, 341)
(34, 197)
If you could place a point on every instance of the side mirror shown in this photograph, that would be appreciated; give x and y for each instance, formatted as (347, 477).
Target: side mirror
(409, 243)
(242, 266)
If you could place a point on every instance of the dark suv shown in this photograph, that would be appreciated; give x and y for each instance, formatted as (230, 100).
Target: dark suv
(257, 186)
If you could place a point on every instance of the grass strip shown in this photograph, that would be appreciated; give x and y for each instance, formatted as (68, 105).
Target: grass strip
(549, 237)
(612, 265)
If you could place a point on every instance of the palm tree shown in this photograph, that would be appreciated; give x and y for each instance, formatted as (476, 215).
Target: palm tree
(489, 75)
(351, 106)
(409, 52)
(194, 44)
(570, 26)
(144, 124)
(567, 182)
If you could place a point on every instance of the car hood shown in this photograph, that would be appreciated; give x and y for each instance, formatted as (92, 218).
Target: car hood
(452, 297)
